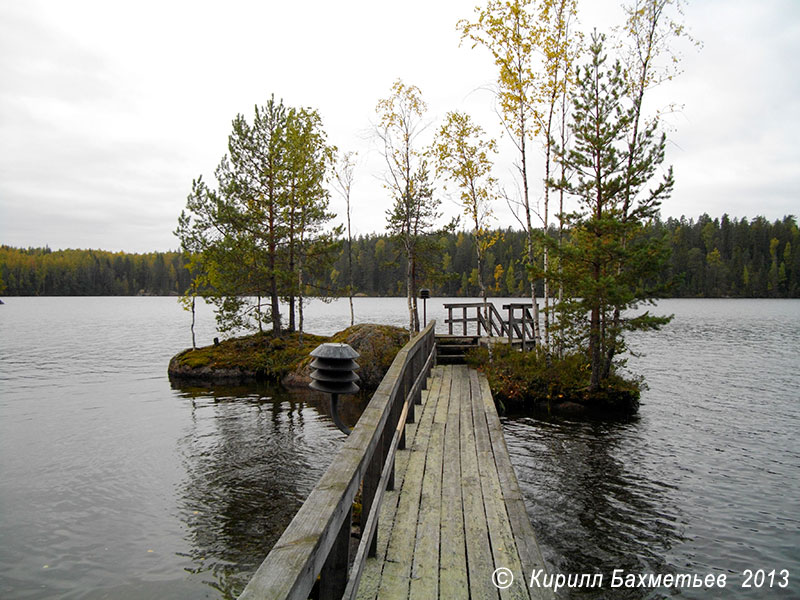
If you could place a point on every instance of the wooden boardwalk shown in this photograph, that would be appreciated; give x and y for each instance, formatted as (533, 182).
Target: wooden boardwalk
(456, 513)
(441, 507)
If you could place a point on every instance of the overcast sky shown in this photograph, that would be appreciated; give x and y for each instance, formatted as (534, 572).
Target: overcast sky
(108, 110)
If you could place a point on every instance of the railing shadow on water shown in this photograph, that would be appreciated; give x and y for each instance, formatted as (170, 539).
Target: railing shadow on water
(317, 541)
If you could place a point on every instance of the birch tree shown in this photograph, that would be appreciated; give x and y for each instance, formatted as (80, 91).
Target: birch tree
(415, 209)
(343, 182)
(462, 156)
(509, 30)
(558, 45)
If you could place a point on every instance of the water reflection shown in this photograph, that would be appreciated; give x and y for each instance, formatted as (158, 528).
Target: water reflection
(602, 508)
(251, 454)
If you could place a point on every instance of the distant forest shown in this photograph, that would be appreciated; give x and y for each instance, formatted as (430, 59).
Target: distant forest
(711, 258)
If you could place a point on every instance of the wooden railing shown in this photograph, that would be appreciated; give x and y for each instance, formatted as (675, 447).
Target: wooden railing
(316, 542)
(516, 327)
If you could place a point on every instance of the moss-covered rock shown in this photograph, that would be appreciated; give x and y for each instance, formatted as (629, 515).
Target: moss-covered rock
(263, 357)
(260, 356)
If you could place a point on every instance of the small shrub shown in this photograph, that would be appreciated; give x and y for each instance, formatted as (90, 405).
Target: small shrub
(530, 381)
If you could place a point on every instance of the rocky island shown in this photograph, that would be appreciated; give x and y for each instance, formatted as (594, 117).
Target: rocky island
(285, 358)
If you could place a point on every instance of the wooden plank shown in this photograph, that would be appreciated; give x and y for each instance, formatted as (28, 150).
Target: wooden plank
(502, 539)
(371, 577)
(479, 554)
(459, 513)
(369, 529)
(396, 574)
(453, 560)
(424, 554)
(529, 552)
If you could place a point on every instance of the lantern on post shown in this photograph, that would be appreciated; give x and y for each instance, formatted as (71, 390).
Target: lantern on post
(333, 372)
(424, 293)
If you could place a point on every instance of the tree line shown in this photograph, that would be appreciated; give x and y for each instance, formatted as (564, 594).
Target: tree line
(709, 258)
(46, 272)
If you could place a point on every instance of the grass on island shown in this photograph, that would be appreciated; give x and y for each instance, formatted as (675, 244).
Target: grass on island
(262, 356)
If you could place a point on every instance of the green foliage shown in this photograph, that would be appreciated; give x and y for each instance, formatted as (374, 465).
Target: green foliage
(462, 156)
(378, 264)
(530, 381)
(609, 262)
(251, 237)
(736, 258)
(45, 272)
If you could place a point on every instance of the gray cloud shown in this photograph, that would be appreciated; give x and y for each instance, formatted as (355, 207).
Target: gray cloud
(106, 113)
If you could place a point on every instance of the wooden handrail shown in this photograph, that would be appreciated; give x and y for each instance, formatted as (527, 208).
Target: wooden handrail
(316, 541)
(514, 327)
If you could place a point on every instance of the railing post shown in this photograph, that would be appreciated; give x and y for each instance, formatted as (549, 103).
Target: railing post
(369, 487)
(409, 417)
(435, 355)
(333, 577)
(450, 320)
(421, 359)
(386, 442)
(427, 351)
(464, 321)
(408, 383)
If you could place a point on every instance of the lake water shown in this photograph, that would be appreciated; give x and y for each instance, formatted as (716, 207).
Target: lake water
(114, 484)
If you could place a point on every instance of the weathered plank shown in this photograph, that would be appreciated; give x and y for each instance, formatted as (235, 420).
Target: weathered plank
(529, 552)
(503, 544)
(480, 562)
(396, 574)
(371, 578)
(425, 549)
(453, 569)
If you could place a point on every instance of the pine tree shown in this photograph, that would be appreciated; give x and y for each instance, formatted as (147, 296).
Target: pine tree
(248, 236)
(609, 262)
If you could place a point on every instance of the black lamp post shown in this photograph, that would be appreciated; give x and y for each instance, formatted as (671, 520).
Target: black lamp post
(424, 293)
(333, 372)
